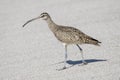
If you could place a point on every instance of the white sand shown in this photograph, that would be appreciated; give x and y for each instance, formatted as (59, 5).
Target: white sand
(33, 53)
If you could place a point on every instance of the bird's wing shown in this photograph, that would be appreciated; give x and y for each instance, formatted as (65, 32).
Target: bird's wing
(69, 34)
(73, 35)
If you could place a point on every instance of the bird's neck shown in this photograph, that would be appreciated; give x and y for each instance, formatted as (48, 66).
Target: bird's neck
(51, 25)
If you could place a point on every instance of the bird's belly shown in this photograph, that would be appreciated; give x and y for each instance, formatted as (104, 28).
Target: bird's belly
(69, 39)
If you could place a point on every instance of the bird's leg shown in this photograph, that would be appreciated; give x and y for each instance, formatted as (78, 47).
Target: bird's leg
(83, 61)
(65, 61)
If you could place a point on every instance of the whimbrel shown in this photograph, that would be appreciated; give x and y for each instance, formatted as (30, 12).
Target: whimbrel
(67, 35)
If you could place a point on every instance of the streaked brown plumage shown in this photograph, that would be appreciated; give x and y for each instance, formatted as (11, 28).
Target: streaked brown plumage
(72, 35)
(67, 35)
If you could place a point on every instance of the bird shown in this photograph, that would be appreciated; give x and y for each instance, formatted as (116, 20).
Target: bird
(67, 35)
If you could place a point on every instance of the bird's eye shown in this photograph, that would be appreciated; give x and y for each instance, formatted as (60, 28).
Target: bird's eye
(42, 16)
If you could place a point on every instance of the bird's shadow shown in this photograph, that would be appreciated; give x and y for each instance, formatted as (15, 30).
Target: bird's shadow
(79, 62)
(71, 62)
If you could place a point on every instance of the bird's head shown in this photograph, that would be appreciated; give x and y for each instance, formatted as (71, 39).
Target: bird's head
(43, 16)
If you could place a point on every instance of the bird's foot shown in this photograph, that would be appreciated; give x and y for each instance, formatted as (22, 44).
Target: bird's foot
(83, 63)
(62, 68)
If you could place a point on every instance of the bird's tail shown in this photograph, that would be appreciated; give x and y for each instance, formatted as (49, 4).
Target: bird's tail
(93, 41)
(98, 44)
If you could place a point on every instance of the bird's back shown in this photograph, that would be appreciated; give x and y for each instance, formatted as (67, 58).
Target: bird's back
(72, 35)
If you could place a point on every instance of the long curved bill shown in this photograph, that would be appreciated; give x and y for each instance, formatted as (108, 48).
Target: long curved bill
(30, 21)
